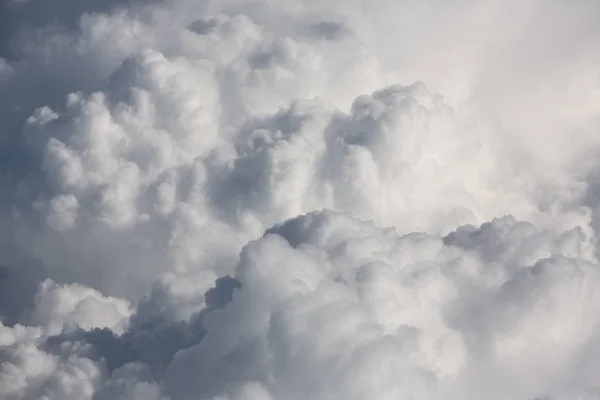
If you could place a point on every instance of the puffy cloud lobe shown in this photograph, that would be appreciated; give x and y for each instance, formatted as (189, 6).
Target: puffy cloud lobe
(59, 306)
(28, 371)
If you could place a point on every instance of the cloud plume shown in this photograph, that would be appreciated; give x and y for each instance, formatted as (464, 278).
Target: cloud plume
(299, 199)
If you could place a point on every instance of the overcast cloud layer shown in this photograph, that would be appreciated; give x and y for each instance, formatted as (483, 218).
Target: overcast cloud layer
(299, 199)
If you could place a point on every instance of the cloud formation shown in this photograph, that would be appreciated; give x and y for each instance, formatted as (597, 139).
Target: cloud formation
(325, 305)
(299, 199)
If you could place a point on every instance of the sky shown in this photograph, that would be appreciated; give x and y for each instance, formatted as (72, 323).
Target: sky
(299, 199)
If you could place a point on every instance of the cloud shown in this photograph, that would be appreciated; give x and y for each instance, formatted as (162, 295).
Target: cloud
(329, 306)
(325, 305)
(278, 200)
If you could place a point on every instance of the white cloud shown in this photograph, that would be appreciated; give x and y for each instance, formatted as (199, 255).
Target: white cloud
(143, 145)
(331, 307)
(59, 306)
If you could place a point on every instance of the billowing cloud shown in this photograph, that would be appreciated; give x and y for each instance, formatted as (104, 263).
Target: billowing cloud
(299, 199)
(324, 306)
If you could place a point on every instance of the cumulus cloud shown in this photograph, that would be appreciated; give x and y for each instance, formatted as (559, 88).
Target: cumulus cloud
(325, 305)
(299, 199)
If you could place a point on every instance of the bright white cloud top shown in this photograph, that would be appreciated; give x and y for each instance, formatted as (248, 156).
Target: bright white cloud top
(281, 200)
